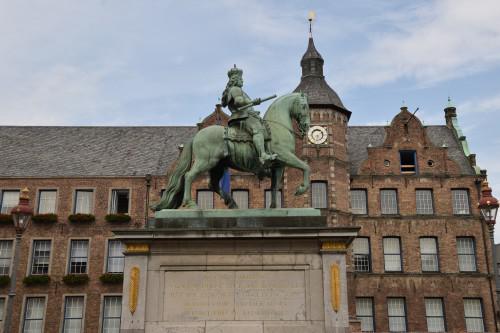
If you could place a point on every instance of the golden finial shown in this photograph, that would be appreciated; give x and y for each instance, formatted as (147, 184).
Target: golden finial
(311, 17)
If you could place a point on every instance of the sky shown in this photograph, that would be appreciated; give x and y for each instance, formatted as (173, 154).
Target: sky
(161, 62)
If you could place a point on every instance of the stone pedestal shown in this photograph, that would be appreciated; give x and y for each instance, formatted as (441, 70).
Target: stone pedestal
(284, 272)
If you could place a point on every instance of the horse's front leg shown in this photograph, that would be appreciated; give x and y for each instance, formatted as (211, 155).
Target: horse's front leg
(276, 178)
(293, 161)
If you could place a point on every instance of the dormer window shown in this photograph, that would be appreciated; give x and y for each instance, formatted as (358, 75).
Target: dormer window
(408, 160)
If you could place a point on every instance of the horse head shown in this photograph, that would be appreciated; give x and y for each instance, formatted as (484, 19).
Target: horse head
(300, 112)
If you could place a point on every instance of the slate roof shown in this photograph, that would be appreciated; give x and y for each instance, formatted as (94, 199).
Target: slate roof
(359, 137)
(313, 83)
(89, 151)
(136, 151)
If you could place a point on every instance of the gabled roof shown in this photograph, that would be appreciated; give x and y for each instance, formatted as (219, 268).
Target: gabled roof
(89, 151)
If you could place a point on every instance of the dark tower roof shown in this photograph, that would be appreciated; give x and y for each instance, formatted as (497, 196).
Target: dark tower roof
(313, 82)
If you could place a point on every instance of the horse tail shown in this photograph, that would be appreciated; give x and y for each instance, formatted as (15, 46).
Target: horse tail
(174, 192)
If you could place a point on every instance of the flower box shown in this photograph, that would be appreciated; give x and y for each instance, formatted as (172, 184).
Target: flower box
(118, 218)
(111, 278)
(36, 279)
(45, 218)
(75, 279)
(6, 219)
(4, 280)
(81, 218)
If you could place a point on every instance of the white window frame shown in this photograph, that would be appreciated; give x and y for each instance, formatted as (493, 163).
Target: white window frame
(399, 254)
(370, 316)
(359, 210)
(63, 310)
(11, 253)
(319, 204)
(436, 254)
(441, 317)
(363, 255)
(101, 309)
(198, 198)
(383, 207)
(75, 195)
(464, 209)
(68, 266)
(1, 199)
(469, 255)
(241, 190)
(424, 205)
(23, 313)
(106, 266)
(31, 257)
(110, 206)
(267, 198)
(39, 196)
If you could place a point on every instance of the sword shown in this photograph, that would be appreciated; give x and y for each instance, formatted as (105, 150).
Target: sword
(254, 102)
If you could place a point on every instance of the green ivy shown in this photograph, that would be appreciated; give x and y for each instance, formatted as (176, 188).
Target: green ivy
(4, 280)
(112, 278)
(45, 218)
(6, 219)
(118, 218)
(81, 218)
(76, 279)
(36, 279)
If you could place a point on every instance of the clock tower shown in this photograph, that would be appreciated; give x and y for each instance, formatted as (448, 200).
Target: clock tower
(325, 146)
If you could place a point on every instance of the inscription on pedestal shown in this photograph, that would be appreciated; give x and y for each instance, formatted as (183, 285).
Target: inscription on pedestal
(234, 295)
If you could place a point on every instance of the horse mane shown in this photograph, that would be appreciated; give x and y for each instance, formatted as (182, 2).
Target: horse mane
(287, 98)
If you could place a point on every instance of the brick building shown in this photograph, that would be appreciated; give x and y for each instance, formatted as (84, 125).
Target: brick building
(421, 261)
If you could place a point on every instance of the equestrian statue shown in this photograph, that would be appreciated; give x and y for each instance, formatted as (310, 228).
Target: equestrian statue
(251, 144)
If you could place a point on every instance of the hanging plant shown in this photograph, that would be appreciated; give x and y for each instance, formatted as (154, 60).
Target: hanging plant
(117, 218)
(6, 219)
(36, 279)
(81, 218)
(112, 278)
(75, 279)
(45, 218)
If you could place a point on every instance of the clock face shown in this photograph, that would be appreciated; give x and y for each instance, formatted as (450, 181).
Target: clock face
(317, 135)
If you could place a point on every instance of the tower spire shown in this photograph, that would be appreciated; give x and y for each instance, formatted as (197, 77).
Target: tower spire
(311, 17)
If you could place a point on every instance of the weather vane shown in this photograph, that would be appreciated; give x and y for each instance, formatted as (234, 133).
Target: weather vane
(311, 17)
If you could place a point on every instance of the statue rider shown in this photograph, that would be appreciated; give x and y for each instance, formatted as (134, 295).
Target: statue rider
(247, 118)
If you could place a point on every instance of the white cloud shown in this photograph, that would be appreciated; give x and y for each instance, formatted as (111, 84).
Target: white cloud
(447, 39)
(484, 105)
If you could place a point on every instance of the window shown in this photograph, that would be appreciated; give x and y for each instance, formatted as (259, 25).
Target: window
(9, 199)
(392, 254)
(434, 314)
(466, 250)
(241, 198)
(361, 254)
(319, 195)
(205, 199)
(460, 201)
(47, 201)
(33, 315)
(364, 313)
(397, 314)
(268, 198)
(2, 310)
(111, 314)
(429, 254)
(119, 201)
(84, 201)
(408, 160)
(40, 257)
(78, 256)
(73, 314)
(116, 258)
(358, 202)
(5, 256)
(473, 310)
(424, 202)
(388, 202)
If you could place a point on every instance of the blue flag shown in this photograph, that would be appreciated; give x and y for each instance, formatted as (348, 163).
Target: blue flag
(225, 182)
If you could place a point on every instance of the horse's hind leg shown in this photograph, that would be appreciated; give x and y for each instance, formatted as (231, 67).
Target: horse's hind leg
(198, 168)
(215, 177)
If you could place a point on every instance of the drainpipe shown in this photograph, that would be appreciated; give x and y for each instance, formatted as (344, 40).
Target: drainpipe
(146, 208)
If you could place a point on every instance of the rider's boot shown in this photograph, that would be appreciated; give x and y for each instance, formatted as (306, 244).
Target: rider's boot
(258, 140)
